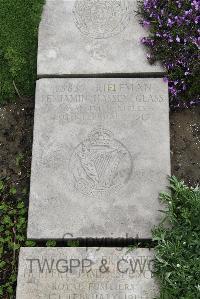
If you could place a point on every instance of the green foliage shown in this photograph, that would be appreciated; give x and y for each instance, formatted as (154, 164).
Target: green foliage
(177, 263)
(13, 219)
(51, 243)
(73, 243)
(18, 46)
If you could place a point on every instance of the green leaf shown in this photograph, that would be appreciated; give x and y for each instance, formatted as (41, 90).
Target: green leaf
(20, 205)
(13, 190)
(1, 186)
(30, 243)
(19, 159)
(51, 243)
(2, 264)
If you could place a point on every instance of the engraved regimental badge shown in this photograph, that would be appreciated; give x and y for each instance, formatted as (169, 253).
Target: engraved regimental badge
(100, 163)
(101, 19)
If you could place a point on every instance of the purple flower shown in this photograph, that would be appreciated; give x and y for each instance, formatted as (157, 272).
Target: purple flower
(184, 87)
(170, 22)
(146, 24)
(173, 38)
(197, 20)
(147, 41)
(148, 56)
(196, 5)
(179, 4)
(158, 34)
(172, 90)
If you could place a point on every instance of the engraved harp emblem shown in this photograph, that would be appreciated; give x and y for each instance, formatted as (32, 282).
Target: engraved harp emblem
(100, 162)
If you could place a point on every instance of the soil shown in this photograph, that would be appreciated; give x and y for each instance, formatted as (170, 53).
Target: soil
(16, 127)
(185, 145)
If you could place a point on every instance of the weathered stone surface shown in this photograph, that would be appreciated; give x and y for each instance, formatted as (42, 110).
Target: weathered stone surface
(85, 273)
(91, 37)
(100, 157)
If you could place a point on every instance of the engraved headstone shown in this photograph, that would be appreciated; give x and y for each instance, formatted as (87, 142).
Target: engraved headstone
(100, 157)
(86, 273)
(91, 37)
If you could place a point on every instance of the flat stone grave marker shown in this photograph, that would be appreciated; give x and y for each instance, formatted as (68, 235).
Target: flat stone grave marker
(100, 157)
(86, 273)
(92, 37)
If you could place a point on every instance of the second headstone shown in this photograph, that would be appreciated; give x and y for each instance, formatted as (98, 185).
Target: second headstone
(100, 157)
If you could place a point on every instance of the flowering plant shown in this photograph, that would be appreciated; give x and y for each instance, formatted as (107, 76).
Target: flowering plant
(174, 39)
